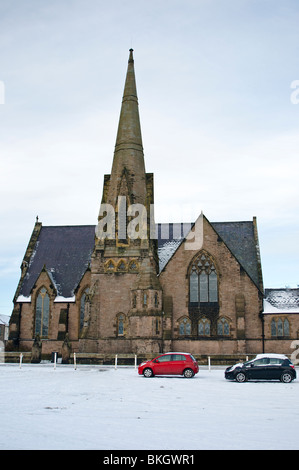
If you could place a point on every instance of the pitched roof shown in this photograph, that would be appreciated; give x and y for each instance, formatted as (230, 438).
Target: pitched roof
(65, 252)
(238, 236)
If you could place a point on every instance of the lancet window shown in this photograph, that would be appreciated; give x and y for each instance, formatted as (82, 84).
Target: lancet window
(82, 307)
(42, 311)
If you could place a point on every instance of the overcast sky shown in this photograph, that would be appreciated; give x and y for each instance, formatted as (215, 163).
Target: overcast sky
(219, 116)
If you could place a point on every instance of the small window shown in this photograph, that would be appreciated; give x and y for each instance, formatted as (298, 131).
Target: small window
(120, 325)
(204, 327)
(185, 327)
(223, 327)
(280, 328)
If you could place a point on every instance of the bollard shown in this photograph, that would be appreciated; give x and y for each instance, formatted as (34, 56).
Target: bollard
(75, 363)
(209, 363)
(115, 362)
(21, 359)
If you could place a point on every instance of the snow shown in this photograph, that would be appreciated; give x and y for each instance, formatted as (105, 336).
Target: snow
(271, 309)
(60, 298)
(22, 298)
(98, 407)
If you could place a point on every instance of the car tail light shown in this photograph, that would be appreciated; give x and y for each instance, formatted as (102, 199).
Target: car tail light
(291, 365)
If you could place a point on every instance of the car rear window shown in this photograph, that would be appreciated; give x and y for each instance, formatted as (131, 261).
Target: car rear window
(178, 357)
(276, 360)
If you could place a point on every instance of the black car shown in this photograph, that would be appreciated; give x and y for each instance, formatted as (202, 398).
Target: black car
(263, 367)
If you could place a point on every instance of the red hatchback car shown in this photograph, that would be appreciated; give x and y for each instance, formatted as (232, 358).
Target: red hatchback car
(172, 363)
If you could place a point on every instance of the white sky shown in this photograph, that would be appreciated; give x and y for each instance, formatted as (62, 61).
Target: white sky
(220, 130)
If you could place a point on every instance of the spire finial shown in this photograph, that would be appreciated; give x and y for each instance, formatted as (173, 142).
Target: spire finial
(131, 59)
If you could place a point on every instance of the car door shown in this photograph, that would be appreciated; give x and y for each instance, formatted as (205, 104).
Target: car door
(258, 369)
(178, 363)
(163, 365)
(275, 368)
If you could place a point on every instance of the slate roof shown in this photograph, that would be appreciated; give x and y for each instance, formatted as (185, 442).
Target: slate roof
(238, 237)
(65, 252)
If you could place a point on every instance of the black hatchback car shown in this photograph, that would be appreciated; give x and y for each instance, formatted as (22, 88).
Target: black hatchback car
(263, 367)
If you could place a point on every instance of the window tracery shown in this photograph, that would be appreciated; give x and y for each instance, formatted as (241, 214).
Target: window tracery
(203, 281)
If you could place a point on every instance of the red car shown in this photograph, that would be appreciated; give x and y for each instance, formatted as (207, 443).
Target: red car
(172, 363)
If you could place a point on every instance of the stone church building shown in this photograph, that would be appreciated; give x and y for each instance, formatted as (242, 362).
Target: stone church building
(131, 285)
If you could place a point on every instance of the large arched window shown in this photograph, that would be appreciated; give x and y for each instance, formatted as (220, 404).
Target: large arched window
(203, 282)
(42, 311)
(82, 307)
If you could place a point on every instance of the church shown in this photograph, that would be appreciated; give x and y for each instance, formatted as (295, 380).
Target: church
(130, 285)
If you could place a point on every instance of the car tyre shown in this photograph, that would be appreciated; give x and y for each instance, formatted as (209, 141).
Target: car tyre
(188, 373)
(148, 372)
(241, 377)
(286, 377)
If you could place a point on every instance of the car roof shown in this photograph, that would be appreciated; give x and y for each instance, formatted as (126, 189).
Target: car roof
(177, 352)
(277, 356)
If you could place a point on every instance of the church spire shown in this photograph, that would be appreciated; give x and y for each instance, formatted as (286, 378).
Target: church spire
(128, 168)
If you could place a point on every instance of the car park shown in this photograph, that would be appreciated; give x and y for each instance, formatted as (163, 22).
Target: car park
(263, 367)
(171, 363)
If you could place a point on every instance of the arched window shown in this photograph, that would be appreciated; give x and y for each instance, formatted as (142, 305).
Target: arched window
(286, 327)
(82, 307)
(204, 327)
(223, 327)
(185, 327)
(120, 325)
(203, 282)
(273, 328)
(42, 311)
(280, 328)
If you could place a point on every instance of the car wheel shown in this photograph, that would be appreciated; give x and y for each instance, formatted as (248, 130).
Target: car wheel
(148, 372)
(188, 373)
(241, 377)
(286, 377)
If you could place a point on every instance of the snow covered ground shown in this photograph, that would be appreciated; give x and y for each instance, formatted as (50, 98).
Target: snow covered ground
(97, 407)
